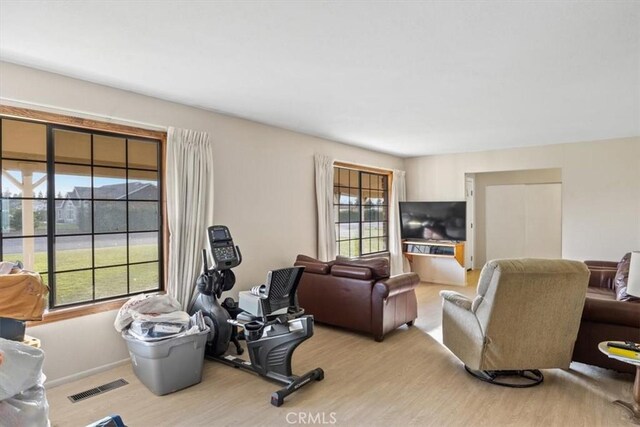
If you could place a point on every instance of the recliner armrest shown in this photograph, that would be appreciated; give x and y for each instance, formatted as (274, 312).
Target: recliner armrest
(457, 299)
(396, 285)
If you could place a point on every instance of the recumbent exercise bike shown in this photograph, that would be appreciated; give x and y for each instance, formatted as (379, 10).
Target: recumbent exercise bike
(274, 325)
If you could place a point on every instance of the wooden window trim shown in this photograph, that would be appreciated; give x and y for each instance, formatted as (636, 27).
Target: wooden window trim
(82, 310)
(89, 124)
(346, 165)
(387, 172)
(60, 119)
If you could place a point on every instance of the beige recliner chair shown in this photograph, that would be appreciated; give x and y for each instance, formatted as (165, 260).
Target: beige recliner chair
(525, 317)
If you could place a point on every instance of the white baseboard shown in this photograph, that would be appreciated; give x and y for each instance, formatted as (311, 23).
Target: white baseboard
(59, 381)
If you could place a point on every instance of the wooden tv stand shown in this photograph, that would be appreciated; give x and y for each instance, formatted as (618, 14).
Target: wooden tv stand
(437, 261)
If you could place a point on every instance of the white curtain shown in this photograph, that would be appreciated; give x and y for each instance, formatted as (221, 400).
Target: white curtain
(324, 198)
(189, 183)
(398, 194)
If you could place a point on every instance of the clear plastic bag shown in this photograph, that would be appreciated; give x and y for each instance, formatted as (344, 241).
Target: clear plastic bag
(148, 327)
(26, 409)
(149, 331)
(21, 368)
(145, 304)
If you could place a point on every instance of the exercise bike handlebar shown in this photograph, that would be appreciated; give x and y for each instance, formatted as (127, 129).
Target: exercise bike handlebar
(205, 263)
(239, 255)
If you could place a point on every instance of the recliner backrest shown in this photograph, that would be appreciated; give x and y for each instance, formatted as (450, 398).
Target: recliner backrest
(529, 310)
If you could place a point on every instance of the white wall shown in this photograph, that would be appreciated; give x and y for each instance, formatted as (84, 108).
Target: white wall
(264, 191)
(486, 179)
(600, 189)
(523, 221)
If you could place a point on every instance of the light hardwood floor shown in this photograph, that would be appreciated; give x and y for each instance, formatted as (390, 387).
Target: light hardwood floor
(409, 379)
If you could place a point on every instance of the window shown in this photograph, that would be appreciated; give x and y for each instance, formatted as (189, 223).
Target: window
(360, 200)
(81, 207)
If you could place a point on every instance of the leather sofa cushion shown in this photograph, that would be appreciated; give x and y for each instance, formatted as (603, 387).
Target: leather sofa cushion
(379, 266)
(622, 276)
(305, 258)
(312, 265)
(351, 272)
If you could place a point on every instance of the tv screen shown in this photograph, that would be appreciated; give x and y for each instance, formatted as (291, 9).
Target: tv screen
(433, 220)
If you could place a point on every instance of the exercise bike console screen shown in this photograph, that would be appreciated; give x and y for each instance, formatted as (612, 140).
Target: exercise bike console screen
(225, 253)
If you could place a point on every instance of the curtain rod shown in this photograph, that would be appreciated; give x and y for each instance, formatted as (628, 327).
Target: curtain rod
(86, 115)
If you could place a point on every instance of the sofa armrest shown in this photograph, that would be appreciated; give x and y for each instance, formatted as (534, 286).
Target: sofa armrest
(613, 312)
(396, 285)
(457, 299)
(313, 267)
(602, 277)
(602, 264)
(351, 272)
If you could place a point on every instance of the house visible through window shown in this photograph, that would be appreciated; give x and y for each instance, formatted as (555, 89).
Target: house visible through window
(82, 208)
(361, 207)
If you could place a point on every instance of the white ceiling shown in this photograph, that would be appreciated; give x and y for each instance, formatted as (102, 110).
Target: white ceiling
(408, 78)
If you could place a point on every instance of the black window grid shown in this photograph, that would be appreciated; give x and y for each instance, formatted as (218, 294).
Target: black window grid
(51, 198)
(361, 241)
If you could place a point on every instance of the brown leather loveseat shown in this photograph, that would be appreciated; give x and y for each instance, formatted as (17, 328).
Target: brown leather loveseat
(609, 314)
(357, 294)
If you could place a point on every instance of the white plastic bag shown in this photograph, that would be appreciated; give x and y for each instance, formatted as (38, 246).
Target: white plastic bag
(145, 304)
(148, 327)
(21, 368)
(26, 409)
(194, 325)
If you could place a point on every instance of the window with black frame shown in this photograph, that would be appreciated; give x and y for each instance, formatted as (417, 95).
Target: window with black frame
(82, 208)
(361, 207)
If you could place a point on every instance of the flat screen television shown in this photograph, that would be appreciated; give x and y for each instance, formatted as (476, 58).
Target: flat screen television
(433, 220)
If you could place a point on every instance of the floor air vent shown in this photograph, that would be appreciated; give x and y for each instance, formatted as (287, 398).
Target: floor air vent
(97, 390)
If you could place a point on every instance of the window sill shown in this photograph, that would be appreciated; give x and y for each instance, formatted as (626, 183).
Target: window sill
(73, 312)
(385, 254)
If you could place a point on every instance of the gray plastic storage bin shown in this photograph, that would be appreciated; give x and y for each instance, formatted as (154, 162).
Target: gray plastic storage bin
(168, 365)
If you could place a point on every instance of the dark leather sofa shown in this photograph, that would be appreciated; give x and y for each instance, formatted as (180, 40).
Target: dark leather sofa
(604, 318)
(357, 294)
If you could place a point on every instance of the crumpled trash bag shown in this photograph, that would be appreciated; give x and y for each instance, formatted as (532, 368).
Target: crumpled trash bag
(26, 409)
(21, 368)
(145, 304)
